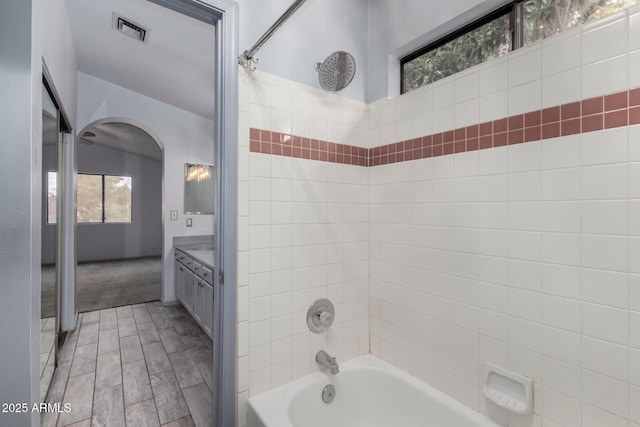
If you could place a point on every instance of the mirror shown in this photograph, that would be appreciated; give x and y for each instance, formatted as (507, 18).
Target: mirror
(50, 288)
(199, 189)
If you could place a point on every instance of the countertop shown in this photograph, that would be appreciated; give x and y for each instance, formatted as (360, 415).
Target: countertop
(203, 256)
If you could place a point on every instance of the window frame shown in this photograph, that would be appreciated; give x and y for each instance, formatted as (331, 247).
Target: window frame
(510, 9)
(102, 221)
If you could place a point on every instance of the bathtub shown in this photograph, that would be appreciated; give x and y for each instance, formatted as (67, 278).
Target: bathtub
(368, 392)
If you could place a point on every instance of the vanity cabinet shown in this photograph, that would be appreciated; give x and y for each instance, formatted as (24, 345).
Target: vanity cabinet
(194, 290)
(179, 281)
(203, 304)
(187, 280)
(184, 280)
(198, 303)
(207, 323)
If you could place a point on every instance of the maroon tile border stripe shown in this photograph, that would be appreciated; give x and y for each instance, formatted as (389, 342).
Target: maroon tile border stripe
(589, 115)
(266, 142)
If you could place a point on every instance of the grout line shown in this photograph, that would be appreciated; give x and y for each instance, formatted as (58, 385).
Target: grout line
(124, 404)
(628, 309)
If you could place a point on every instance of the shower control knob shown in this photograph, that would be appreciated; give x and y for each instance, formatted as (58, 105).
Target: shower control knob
(320, 315)
(326, 318)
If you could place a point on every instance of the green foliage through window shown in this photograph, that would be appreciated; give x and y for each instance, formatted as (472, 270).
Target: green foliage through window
(95, 192)
(479, 45)
(89, 198)
(487, 40)
(52, 196)
(545, 18)
(117, 199)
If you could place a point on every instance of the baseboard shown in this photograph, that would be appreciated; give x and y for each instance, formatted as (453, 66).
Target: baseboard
(119, 259)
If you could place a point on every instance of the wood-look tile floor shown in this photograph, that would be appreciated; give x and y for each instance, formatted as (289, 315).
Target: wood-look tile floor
(136, 365)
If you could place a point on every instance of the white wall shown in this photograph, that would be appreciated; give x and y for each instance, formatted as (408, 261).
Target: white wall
(398, 27)
(370, 30)
(101, 242)
(302, 235)
(318, 29)
(20, 163)
(526, 255)
(143, 237)
(185, 137)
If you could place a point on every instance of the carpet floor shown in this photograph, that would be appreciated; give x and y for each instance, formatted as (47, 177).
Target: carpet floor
(108, 284)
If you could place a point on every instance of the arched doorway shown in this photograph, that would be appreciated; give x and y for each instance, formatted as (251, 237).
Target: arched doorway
(119, 190)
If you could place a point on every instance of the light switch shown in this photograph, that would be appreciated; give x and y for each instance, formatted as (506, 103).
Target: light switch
(174, 215)
(189, 223)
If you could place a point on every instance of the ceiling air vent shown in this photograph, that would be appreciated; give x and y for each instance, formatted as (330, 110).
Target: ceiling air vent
(130, 28)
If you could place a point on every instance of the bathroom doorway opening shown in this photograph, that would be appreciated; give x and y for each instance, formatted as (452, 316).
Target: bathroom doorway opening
(119, 204)
(224, 16)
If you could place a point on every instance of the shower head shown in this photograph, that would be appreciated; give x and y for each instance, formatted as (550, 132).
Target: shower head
(336, 71)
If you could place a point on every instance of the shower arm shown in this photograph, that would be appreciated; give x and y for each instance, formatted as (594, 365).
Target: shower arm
(246, 59)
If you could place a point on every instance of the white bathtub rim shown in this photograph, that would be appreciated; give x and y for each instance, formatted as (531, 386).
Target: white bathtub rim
(272, 407)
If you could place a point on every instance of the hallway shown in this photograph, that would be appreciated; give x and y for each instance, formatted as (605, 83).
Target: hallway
(147, 364)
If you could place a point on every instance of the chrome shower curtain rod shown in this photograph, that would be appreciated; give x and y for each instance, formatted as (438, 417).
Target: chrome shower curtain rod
(246, 58)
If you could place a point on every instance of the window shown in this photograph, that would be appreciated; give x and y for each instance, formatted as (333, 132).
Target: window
(89, 198)
(544, 18)
(117, 199)
(520, 23)
(104, 198)
(479, 43)
(101, 198)
(52, 195)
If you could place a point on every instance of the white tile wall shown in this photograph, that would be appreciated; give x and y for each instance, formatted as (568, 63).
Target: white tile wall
(526, 256)
(561, 88)
(634, 68)
(302, 235)
(561, 53)
(520, 66)
(615, 70)
(519, 255)
(604, 39)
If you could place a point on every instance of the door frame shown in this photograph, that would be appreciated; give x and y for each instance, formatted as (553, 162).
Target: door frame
(223, 14)
(62, 255)
(225, 286)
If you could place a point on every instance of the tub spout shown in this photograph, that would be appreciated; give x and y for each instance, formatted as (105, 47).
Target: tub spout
(327, 361)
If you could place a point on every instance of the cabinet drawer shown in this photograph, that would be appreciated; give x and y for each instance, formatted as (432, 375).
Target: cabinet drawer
(207, 275)
(202, 272)
(181, 257)
(188, 262)
(196, 267)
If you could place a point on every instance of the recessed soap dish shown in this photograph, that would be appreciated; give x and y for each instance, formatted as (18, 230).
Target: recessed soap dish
(508, 389)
